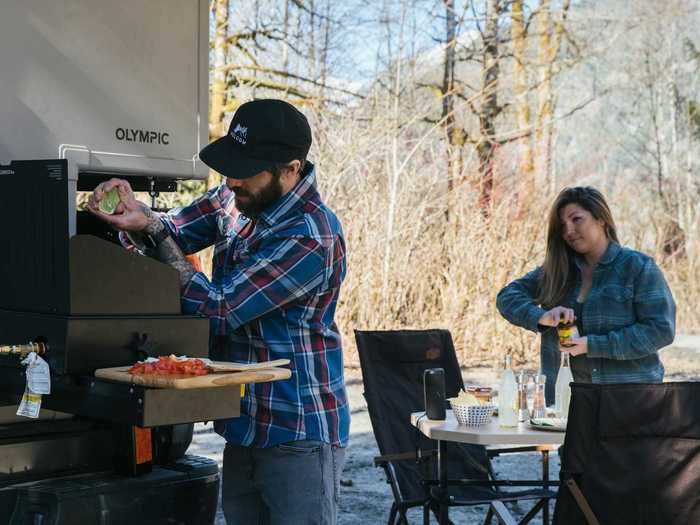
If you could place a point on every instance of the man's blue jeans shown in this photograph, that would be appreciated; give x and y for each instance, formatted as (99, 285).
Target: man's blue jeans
(293, 483)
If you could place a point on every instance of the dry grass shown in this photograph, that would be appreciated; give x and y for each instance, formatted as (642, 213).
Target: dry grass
(409, 267)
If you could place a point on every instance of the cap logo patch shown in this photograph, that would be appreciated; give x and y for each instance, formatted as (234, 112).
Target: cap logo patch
(240, 134)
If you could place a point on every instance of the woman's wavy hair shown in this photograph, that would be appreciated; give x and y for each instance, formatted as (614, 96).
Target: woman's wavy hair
(559, 267)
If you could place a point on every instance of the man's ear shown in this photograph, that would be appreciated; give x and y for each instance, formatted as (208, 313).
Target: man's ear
(295, 166)
(290, 175)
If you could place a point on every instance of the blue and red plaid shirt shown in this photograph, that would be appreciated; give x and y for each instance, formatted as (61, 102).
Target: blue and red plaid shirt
(273, 295)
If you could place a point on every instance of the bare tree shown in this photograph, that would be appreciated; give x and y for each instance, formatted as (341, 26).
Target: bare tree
(549, 41)
(489, 108)
(454, 133)
(653, 100)
(521, 90)
(535, 153)
(482, 101)
(219, 90)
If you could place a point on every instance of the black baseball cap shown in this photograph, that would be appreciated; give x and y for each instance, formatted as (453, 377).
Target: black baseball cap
(262, 133)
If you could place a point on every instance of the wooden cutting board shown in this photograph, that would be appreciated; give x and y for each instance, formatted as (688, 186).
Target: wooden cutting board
(121, 374)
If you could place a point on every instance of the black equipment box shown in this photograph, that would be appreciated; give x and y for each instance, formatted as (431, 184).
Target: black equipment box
(184, 492)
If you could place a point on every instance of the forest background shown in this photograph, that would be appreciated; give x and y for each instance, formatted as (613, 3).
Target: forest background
(444, 129)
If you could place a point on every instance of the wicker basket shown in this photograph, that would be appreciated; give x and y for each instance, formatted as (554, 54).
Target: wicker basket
(472, 415)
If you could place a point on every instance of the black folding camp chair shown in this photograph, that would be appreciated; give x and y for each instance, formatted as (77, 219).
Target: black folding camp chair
(392, 372)
(631, 456)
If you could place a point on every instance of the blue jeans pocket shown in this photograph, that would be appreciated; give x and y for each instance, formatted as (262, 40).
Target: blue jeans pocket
(304, 447)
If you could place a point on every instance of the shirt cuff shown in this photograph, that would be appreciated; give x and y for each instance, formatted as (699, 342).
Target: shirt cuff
(195, 294)
(168, 224)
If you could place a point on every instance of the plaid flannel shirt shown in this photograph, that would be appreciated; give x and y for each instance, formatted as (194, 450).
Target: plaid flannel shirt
(628, 315)
(273, 295)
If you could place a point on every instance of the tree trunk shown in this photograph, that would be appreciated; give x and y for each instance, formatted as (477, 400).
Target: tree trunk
(522, 103)
(312, 41)
(672, 235)
(393, 169)
(455, 137)
(544, 92)
(489, 107)
(285, 32)
(324, 52)
(549, 41)
(219, 90)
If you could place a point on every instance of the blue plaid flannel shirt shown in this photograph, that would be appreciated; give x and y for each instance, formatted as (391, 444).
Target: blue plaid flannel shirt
(628, 315)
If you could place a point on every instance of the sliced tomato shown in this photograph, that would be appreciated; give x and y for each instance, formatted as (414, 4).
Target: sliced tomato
(169, 365)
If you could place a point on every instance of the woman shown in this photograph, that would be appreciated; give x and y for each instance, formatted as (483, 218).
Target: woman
(618, 297)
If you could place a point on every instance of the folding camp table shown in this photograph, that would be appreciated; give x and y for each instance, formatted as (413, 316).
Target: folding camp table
(450, 430)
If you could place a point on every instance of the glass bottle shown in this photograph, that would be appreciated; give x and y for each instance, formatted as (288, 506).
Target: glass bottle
(523, 411)
(562, 388)
(538, 401)
(508, 397)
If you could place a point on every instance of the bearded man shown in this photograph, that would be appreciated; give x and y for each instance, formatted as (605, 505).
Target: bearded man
(277, 270)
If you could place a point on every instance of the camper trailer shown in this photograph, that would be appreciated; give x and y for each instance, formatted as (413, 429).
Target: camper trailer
(89, 90)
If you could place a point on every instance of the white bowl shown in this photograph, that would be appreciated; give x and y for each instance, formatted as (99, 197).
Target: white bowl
(472, 415)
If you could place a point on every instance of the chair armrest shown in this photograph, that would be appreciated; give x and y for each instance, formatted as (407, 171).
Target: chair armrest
(582, 502)
(501, 512)
(380, 461)
(497, 450)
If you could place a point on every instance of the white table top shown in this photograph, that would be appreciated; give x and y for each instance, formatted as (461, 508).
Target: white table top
(489, 434)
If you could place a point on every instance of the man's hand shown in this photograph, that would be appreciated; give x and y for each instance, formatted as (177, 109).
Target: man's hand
(578, 346)
(134, 216)
(130, 215)
(556, 315)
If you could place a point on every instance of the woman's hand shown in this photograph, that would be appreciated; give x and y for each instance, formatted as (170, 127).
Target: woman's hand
(575, 346)
(130, 214)
(556, 315)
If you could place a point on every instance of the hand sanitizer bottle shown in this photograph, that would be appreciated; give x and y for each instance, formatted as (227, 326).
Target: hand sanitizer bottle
(508, 397)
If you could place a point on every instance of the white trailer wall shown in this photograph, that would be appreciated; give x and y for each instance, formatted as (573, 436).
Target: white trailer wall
(117, 86)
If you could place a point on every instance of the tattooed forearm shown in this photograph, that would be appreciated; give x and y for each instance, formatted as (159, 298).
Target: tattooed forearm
(168, 251)
(154, 225)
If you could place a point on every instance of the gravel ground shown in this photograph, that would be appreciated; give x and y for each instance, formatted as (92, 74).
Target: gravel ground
(365, 495)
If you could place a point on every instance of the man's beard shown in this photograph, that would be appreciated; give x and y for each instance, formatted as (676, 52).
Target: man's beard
(256, 203)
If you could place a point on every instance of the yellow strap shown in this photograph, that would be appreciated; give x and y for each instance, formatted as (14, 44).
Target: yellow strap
(32, 398)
